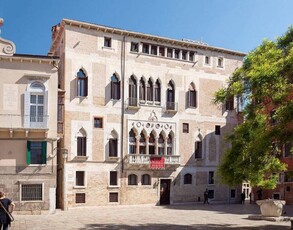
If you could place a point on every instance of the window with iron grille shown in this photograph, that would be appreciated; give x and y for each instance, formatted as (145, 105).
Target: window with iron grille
(113, 197)
(31, 192)
(80, 198)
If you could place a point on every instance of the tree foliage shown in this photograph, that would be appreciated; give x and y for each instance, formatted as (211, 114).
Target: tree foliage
(264, 82)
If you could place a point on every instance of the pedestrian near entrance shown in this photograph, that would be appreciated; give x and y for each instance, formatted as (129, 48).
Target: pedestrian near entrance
(206, 197)
(243, 197)
(6, 206)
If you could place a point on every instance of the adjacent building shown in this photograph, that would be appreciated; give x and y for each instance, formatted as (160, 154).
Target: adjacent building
(136, 118)
(28, 129)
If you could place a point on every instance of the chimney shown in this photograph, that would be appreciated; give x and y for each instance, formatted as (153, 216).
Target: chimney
(55, 30)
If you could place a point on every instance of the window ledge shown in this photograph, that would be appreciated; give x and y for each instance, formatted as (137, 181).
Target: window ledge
(108, 48)
(79, 187)
(80, 158)
(113, 186)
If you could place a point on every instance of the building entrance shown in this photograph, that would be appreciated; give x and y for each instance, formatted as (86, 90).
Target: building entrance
(165, 191)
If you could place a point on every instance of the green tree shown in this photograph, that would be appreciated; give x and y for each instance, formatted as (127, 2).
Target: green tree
(264, 83)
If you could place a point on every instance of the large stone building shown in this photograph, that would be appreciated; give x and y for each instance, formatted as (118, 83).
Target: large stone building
(28, 129)
(136, 117)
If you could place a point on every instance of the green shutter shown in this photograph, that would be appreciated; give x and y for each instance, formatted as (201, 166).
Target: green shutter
(28, 152)
(44, 152)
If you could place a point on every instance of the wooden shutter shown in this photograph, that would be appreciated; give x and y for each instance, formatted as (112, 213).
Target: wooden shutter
(26, 110)
(44, 152)
(28, 152)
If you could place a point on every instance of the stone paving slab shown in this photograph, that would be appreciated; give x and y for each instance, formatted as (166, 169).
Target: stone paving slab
(210, 217)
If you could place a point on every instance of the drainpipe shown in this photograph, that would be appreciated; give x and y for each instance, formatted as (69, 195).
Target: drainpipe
(122, 101)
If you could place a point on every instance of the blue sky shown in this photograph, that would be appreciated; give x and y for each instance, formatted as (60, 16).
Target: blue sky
(232, 24)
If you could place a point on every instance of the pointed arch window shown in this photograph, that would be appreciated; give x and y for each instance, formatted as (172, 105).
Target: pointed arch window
(132, 142)
(152, 144)
(171, 96)
(198, 149)
(157, 91)
(141, 90)
(161, 145)
(82, 84)
(132, 91)
(150, 90)
(142, 144)
(115, 87)
(192, 94)
(81, 142)
(170, 145)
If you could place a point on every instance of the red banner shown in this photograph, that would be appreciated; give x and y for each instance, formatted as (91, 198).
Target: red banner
(157, 162)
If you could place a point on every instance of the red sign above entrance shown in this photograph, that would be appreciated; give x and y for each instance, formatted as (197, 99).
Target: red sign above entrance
(157, 163)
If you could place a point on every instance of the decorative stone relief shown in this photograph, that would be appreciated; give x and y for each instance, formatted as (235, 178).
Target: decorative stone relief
(6, 47)
(153, 116)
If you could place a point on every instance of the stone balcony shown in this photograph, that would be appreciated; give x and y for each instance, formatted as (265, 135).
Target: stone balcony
(143, 162)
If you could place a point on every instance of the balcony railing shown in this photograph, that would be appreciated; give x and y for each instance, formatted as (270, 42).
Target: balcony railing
(19, 121)
(145, 159)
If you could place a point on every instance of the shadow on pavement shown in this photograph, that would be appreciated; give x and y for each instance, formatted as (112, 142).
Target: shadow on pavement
(181, 227)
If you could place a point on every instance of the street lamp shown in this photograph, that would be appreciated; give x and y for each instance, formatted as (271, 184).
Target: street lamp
(65, 155)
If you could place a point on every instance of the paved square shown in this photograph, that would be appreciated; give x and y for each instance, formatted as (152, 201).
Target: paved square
(197, 216)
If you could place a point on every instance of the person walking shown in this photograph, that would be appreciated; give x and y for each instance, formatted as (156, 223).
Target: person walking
(6, 206)
(206, 197)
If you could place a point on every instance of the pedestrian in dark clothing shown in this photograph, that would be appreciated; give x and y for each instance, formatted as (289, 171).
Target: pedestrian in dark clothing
(243, 197)
(9, 206)
(206, 197)
(259, 194)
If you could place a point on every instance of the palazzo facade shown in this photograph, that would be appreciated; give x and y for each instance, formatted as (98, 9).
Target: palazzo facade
(136, 117)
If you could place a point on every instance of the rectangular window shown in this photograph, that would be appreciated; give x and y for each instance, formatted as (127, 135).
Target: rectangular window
(220, 62)
(169, 53)
(36, 152)
(230, 103)
(211, 177)
(191, 56)
(218, 130)
(113, 197)
(288, 148)
(154, 50)
(98, 122)
(113, 152)
(145, 48)
(113, 178)
(107, 42)
(81, 146)
(31, 192)
(176, 53)
(79, 178)
(288, 176)
(162, 51)
(206, 60)
(185, 128)
(211, 194)
(134, 47)
(80, 198)
(232, 193)
(184, 55)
